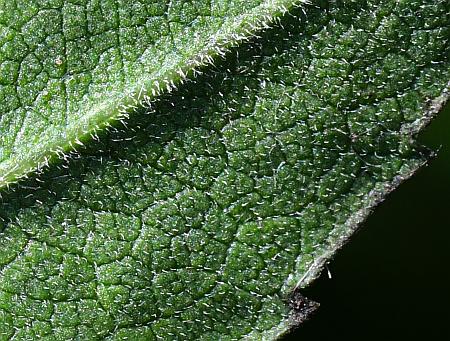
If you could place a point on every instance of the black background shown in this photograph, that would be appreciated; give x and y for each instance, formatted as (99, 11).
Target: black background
(393, 279)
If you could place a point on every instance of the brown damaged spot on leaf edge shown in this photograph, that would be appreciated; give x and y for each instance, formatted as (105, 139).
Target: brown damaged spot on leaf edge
(302, 308)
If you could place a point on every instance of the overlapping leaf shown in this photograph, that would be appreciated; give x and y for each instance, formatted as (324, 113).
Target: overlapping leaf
(70, 68)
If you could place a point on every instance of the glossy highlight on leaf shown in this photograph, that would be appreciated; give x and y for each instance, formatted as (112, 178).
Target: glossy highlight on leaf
(205, 215)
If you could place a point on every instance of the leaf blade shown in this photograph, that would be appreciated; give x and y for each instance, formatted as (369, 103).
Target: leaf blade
(250, 159)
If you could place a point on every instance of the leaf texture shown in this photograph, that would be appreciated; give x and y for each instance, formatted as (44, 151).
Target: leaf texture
(202, 217)
(71, 68)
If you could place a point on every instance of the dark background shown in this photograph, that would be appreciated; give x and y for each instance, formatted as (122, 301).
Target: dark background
(392, 281)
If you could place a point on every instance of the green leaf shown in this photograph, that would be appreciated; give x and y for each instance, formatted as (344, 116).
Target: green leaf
(70, 68)
(206, 214)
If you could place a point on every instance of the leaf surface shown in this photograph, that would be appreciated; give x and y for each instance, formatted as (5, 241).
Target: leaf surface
(71, 68)
(205, 215)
